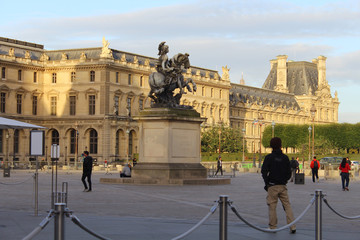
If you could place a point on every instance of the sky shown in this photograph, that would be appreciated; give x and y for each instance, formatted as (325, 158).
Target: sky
(241, 34)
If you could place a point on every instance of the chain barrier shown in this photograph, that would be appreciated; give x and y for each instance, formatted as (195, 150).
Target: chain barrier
(212, 210)
(75, 220)
(271, 230)
(17, 183)
(339, 214)
(59, 213)
(41, 226)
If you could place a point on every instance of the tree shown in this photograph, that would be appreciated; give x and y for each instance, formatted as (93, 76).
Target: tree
(230, 139)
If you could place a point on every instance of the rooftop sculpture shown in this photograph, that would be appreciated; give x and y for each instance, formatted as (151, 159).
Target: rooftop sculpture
(168, 78)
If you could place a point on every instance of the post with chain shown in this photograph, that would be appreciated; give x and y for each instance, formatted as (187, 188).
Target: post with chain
(59, 233)
(318, 214)
(223, 202)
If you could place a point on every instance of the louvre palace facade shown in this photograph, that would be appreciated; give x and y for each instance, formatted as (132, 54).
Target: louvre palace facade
(290, 92)
(87, 99)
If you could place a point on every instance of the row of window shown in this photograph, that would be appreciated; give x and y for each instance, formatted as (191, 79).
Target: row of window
(93, 140)
(73, 77)
(203, 92)
(73, 141)
(72, 104)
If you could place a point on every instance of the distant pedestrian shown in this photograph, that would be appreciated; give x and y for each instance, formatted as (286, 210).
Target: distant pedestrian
(276, 172)
(345, 168)
(348, 161)
(219, 166)
(134, 161)
(294, 164)
(315, 165)
(126, 171)
(87, 169)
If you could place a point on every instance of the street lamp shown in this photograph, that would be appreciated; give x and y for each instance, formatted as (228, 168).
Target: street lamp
(243, 156)
(7, 150)
(273, 128)
(261, 118)
(219, 141)
(76, 144)
(128, 142)
(313, 111)
(254, 156)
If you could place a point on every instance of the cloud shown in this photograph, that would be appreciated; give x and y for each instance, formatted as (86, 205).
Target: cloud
(242, 34)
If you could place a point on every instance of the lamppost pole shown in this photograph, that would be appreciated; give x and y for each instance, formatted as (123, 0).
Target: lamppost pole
(261, 118)
(7, 150)
(273, 129)
(219, 141)
(128, 142)
(76, 145)
(243, 156)
(313, 111)
(254, 156)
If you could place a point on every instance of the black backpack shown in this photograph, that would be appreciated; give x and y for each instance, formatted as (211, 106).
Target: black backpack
(316, 166)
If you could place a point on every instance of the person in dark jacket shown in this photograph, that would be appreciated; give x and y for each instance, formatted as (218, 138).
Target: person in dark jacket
(219, 166)
(87, 169)
(276, 172)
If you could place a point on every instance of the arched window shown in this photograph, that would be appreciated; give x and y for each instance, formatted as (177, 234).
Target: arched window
(54, 137)
(72, 141)
(93, 141)
(16, 141)
(117, 142)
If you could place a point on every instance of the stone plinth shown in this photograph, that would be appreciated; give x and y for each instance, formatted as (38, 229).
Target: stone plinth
(169, 148)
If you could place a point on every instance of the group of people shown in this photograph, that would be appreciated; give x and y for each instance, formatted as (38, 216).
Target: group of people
(87, 170)
(276, 171)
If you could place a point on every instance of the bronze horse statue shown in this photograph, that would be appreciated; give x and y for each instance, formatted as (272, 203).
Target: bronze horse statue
(163, 83)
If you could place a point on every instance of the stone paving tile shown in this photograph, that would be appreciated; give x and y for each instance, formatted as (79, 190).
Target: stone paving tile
(163, 212)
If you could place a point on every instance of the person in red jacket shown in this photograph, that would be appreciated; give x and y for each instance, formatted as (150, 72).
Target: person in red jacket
(315, 165)
(345, 168)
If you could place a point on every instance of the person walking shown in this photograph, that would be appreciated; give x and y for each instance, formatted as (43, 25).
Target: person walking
(219, 166)
(345, 168)
(315, 165)
(294, 164)
(87, 169)
(276, 172)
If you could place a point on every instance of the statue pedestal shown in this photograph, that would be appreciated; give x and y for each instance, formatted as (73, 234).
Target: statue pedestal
(169, 147)
(169, 150)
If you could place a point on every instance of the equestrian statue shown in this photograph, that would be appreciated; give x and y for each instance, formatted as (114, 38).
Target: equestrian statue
(168, 77)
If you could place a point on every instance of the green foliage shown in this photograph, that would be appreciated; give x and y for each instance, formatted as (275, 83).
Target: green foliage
(328, 137)
(230, 139)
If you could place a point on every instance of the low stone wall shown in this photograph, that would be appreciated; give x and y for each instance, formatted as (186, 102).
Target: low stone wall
(323, 173)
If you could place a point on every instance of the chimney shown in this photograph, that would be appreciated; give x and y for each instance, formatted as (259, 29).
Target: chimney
(321, 67)
(281, 84)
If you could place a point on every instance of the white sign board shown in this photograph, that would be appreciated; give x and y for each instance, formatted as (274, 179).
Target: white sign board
(55, 151)
(36, 143)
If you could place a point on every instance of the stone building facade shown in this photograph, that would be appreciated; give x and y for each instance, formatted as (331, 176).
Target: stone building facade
(87, 98)
(287, 96)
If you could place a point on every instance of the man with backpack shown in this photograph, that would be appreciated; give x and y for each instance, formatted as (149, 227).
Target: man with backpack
(294, 164)
(315, 165)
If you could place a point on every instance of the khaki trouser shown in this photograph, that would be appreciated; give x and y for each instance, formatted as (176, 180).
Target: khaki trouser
(274, 193)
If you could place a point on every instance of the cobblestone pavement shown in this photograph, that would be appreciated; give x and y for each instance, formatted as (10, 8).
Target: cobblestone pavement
(163, 212)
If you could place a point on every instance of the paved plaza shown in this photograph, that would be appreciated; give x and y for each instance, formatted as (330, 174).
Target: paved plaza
(164, 212)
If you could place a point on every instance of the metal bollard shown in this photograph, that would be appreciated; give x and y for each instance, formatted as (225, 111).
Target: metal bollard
(318, 214)
(223, 217)
(59, 233)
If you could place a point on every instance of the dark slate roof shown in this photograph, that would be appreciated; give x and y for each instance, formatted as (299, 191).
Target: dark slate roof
(250, 95)
(301, 76)
(36, 50)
